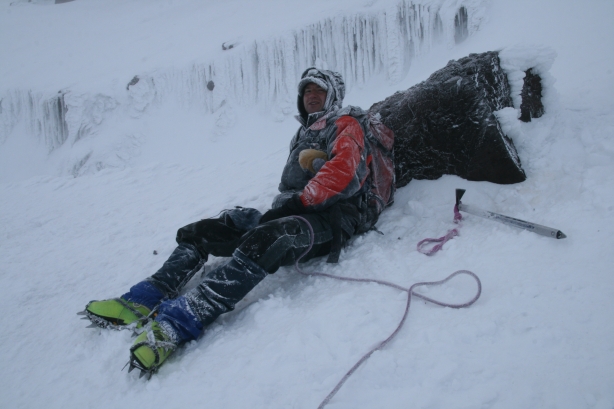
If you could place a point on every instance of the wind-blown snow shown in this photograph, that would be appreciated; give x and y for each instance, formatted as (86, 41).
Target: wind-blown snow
(541, 335)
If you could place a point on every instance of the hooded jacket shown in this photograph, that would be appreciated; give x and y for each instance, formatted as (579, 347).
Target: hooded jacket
(334, 130)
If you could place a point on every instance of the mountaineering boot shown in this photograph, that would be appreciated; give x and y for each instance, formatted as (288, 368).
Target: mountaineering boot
(118, 313)
(115, 313)
(152, 347)
(182, 319)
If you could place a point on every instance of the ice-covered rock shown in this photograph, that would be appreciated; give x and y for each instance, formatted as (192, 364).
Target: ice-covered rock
(447, 124)
(531, 106)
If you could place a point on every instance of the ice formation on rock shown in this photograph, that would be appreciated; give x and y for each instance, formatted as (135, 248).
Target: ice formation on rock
(262, 72)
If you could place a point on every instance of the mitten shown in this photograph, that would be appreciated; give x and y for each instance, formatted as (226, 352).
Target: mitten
(307, 157)
(291, 207)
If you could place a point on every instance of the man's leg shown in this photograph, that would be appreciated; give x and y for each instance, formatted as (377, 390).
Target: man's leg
(218, 236)
(262, 251)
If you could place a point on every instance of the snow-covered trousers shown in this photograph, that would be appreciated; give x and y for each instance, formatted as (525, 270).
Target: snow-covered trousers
(256, 250)
(271, 245)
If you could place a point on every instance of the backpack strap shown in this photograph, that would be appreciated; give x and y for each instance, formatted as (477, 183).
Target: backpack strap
(337, 243)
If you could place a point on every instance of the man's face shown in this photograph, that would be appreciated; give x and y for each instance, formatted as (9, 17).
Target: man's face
(314, 98)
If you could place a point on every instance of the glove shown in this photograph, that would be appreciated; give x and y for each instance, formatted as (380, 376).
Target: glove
(290, 208)
(312, 159)
(317, 164)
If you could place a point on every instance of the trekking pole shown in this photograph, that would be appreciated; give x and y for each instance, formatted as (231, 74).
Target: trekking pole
(510, 221)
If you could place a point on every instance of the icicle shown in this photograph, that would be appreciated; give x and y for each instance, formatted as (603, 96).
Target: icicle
(263, 72)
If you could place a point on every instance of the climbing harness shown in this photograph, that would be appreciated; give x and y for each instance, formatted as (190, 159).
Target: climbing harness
(410, 293)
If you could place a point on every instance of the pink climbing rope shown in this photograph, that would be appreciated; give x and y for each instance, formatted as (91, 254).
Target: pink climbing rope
(441, 240)
(410, 294)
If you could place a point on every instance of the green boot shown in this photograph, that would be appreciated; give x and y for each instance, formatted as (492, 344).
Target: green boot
(151, 348)
(115, 313)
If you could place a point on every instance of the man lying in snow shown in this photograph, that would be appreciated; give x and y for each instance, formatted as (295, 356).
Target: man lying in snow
(326, 180)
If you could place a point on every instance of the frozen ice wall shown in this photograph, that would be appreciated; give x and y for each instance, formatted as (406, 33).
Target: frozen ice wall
(259, 71)
(45, 115)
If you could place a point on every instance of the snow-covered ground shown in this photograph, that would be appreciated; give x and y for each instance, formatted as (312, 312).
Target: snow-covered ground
(540, 336)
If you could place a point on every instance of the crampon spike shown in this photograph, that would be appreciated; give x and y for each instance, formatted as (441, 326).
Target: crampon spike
(92, 325)
(131, 368)
(82, 313)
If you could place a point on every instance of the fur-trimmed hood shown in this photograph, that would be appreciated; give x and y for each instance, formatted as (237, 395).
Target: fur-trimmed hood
(332, 82)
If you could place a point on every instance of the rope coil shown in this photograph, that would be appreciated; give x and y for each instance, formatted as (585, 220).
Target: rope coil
(444, 239)
(410, 294)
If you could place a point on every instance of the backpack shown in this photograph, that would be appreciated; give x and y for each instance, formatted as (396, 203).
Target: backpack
(380, 183)
(379, 141)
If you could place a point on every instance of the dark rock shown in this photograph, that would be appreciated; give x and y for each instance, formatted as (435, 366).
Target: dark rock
(446, 124)
(133, 81)
(210, 85)
(531, 105)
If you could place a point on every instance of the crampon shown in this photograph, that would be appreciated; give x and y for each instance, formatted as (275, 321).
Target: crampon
(150, 350)
(115, 313)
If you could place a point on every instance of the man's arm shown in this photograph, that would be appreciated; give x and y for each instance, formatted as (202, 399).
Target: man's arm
(338, 179)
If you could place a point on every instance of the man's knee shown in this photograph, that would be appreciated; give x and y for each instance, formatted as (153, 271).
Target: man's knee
(216, 236)
(268, 244)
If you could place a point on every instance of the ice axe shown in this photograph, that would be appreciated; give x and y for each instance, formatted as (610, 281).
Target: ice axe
(510, 221)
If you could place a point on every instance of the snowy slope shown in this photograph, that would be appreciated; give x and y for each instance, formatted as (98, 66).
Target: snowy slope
(541, 335)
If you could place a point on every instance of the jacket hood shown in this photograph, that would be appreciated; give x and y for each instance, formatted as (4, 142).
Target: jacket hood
(332, 82)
